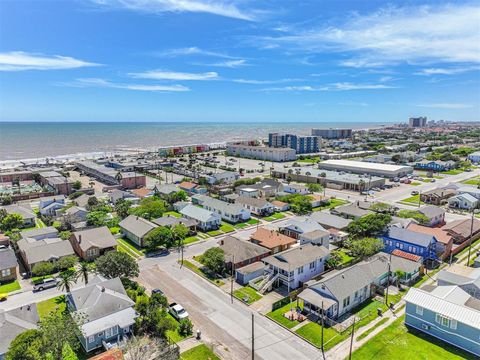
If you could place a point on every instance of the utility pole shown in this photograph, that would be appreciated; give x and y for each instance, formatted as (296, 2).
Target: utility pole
(253, 338)
(231, 279)
(388, 278)
(351, 340)
(471, 237)
(322, 326)
(419, 198)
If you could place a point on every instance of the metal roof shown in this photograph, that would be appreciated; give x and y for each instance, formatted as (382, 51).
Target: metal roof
(463, 314)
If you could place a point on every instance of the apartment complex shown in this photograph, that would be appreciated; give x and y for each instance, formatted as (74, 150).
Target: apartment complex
(332, 133)
(417, 122)
(261, 152)
(301, 144)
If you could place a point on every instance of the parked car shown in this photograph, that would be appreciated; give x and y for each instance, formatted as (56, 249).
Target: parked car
(157, 291)
(3, 297)
(45, 284)
(414, 192)
(177, 311)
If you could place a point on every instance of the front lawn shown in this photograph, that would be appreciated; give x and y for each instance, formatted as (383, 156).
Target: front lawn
(472, 181)
(397, 342)
(190, 239)
(412, 200)
(226, 228)
(278, 317)
(53, 304)
(172, 213)
(240, 225)
(215, 233)
(312, 160)
(127, 247)
(275, 216)
(203, 273)
(200, 352)
(452, 172)
(253, 221)
(248, 293)
(333, 203)
(9, 287)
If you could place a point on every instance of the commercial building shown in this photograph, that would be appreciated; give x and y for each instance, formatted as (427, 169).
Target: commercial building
(417, 121)
(110, 176)
(261, 152)
(332, 133)
(330, 179)
(301, 144)
(362, 167)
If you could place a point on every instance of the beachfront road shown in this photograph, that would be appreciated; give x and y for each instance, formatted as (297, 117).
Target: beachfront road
(225, 325)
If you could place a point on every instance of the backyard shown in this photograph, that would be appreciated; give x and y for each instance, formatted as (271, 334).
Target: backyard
(277, 315)
(413, 344)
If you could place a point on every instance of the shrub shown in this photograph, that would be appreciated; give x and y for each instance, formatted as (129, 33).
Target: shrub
(43, 268)
(185, 327)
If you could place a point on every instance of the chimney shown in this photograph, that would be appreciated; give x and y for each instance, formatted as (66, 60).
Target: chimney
(79, 239)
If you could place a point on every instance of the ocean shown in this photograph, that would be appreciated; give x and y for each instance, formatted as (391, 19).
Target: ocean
(36, 140)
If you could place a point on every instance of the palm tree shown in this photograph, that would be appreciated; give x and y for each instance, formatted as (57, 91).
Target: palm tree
(84, 271)
(66, 279)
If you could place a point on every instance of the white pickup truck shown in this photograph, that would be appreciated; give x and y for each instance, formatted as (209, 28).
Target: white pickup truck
(177, 311)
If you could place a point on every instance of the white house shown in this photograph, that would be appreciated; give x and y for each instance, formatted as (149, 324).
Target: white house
(463, 201)
(50, 204)
(295, 189)
(207, 220)
(223, 177)
(294, 266)
(229, 212)
(474, 157)
(258, 206)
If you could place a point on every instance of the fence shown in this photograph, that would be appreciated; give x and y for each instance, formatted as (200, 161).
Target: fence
(282, 302)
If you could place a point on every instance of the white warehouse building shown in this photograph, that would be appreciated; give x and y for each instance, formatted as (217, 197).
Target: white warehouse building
(361, 167)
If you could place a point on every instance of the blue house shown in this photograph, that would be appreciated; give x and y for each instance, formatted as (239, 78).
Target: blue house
(423, 245)
(104, 313)
(434, 165)
(448, 313)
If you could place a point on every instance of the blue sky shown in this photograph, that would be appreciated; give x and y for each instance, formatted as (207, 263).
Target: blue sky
(245, 60)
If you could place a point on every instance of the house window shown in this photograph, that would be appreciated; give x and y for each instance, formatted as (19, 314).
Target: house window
(300, 270)
(410, 249)
(91, 252)
(6, 272)
(346, 301)
(414, 250)
(453, 324)
(397, 244)
(91, 339)
(312, 265)
(442, 320)
(419, 310)
(401, 246)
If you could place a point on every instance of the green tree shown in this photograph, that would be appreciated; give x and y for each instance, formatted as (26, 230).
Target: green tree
(368, 225)
(399, 274)
(414, 214)
(77, 185)
(6, 200)
(58, 329)
(43, 268)
(178, 196)
(365, 247)
(314, 187)
(97, 218)
(26, 346)
(92, 202)
(66, 279)
(179, 233)
(150, 208)
(65, 235)
(116, 264)
(185, 327)
(214, 260)
(122, 207)
(12, 221)
(160, 236)
(334, 260)
(68, 353)
(84, 271)
(381, 207)
(66, 262)
(301, 205)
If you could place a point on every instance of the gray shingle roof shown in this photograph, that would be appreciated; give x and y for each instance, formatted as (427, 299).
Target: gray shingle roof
(329, 220)
(256, 202)
(40, 232)
(45, 250)
(97, 237)
(7, 259)
(352, 210)
(172, 221)
(297, 256)
(219, 205)
(431, 211)
(243, 250)
(194, 212)
(17, 209)
(410, 236)
(303, 225)
(15, 321)
(137, 225)
(167, 189)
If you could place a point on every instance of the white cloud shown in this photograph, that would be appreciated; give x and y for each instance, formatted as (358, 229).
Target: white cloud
(226, 8)
(446, 106)
(19, 60)
(263, 82)
(96, 82)
(193, 50)
(230, 63)
(393, 35)
(446, 71)
(177, 76)
(341, 86)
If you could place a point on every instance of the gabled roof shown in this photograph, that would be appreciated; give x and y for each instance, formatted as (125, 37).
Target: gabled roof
(352, 210)
(17, 209)
(187, 185)
(294, 257)
(223, 206)
(271, 238)
(465, 197)
(197, 213)
(256, 202)
(7, 259)
(75, 210)
(411, 237)
(173, 220)
(100, 237)
(45, 250)
(39, 233)
(242, 250)
(462, 227)
(302, 225)
(431, 211)
(329, 220)
(15, 321)
(441, 235)
(137, 225)
(98, 301)
(406, 255)
(82, 200)
(167, 189)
